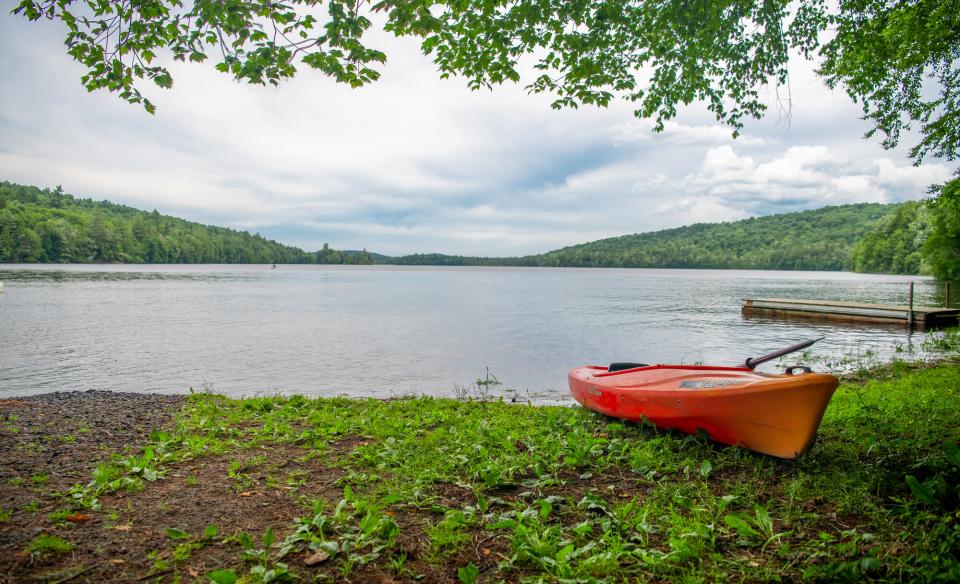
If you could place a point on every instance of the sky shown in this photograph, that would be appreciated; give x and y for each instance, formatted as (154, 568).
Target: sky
(417, 164)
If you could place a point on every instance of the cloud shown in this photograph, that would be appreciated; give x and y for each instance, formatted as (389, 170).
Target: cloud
(804, 177)
(675, 133)
(701, 209)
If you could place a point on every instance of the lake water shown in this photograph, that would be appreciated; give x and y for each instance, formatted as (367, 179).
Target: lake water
(387, 330)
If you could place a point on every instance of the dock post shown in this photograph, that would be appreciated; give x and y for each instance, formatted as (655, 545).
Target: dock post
(910, 313)
(946, 296)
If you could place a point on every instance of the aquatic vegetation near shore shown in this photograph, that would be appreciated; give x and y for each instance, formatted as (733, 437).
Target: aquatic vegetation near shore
(862, 360)
(443, 490)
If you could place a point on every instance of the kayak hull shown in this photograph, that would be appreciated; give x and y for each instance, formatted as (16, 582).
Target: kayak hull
(773, 414)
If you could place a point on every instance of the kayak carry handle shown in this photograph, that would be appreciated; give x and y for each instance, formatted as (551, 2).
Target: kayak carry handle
(752, 362)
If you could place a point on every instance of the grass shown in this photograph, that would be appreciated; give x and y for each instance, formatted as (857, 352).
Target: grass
(501, 491)
(45, 544)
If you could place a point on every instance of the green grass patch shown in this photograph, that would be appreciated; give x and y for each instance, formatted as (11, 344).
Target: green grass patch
(45, 544)
(559, 493)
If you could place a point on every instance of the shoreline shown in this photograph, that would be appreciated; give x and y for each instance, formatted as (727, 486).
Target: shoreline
(32, 265)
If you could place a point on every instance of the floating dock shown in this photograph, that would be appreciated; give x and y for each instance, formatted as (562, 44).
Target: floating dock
(918, 316)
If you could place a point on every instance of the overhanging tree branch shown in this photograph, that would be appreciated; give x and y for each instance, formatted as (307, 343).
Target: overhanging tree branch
(898, 59)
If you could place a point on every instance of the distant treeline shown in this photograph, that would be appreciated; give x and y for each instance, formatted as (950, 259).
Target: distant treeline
(908, 238)
(822, 239)
(865, 237)
(44, 225)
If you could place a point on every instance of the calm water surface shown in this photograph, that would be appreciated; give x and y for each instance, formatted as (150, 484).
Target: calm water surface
(383, 330)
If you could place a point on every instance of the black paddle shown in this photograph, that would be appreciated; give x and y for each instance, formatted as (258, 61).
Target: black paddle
(752, 362)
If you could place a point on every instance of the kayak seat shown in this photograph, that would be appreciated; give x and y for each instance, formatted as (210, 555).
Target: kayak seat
(621, 366)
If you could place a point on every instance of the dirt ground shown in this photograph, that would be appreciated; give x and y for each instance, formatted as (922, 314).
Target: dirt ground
(51, 442)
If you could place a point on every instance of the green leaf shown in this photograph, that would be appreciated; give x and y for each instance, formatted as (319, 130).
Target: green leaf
(244, 539)
(705, 468)
(502, 524)
(545, 509)
(158, 436)
(468, 574)
(920, 490)
(222, 576)
(594, 503)
(952, 452)
(870, 564)
(763, 519)
(211, 532)
(740, 525)
(174, 533)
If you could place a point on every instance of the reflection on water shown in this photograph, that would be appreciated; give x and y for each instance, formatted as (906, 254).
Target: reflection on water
(115, 274)
(386, 330)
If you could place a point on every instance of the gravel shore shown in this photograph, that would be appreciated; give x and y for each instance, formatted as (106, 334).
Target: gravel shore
(50, 442)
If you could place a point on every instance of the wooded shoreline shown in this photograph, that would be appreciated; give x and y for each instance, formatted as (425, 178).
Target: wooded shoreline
(50, 226)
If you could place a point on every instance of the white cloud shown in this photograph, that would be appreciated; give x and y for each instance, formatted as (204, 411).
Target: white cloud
(676, 133)
(805, 177)
(703, 209)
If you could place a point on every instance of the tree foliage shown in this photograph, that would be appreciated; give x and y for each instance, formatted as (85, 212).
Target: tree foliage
(942, 248)
(901, 60)
(822, 239)
(50, 226)
(895, 244)
(890, 56)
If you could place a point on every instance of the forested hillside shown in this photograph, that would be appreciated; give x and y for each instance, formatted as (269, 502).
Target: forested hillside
(822, 239)
(43, 225)
(51, 226)
(895, 245)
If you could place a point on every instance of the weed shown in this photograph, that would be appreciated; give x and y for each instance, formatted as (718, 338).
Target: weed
(448, 535)
(468, 574)
(481, 389)
(222, 576)
(297, 478)
(264, 569)
(357, 531)
(48, 544)
(60, 517)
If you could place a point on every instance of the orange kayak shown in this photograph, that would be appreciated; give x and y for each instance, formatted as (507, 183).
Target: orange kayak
(773, 414)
